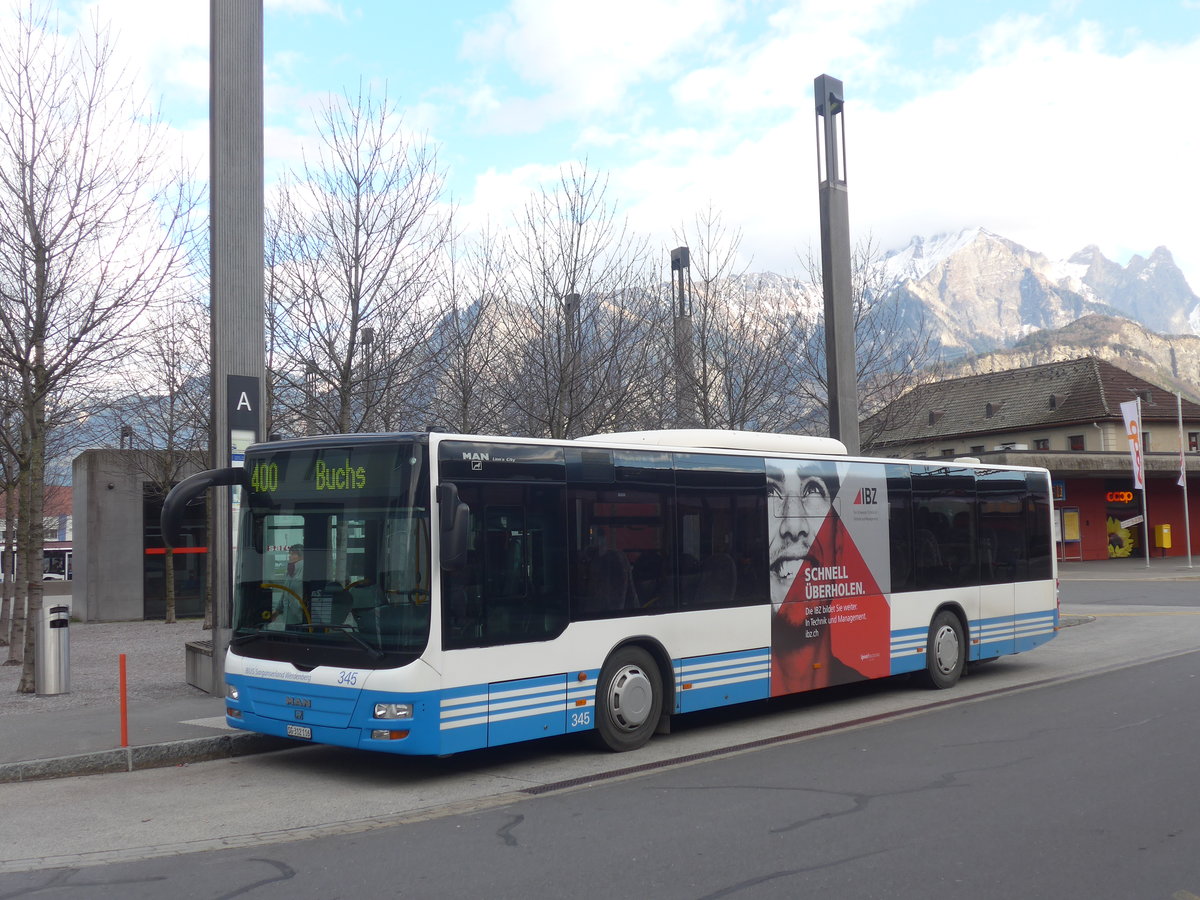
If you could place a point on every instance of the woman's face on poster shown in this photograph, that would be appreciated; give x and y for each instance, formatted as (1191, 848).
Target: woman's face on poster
(798, 502)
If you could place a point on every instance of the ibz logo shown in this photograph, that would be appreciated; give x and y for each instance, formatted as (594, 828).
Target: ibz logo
(868, 496)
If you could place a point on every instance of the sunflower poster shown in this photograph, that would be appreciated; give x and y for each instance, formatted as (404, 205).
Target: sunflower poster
(1121, 540)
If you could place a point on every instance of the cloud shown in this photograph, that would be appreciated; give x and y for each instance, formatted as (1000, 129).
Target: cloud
(166, 47)
(1052, 139)
(1055, 143)
(574, 64)
(1051, 129)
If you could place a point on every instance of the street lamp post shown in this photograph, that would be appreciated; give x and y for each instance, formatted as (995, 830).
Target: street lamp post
(685, 375)
(573, 334)
(840, 368)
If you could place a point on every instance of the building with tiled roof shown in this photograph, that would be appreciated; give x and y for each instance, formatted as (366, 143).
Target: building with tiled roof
(1069, 406)
(1066, 417)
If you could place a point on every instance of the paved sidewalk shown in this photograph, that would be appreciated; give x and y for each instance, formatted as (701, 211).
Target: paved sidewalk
(1170, 568)
(172, 723)
(78, 733)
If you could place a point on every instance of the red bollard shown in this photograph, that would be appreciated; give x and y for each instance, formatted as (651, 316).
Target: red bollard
(124, 707)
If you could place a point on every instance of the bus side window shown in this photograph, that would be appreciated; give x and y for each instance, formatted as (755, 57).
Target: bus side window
(721, 505)
(1038, 527)
(512, 588)
(620, 550)
(945, 529)
(1002, 527)
(900, 527)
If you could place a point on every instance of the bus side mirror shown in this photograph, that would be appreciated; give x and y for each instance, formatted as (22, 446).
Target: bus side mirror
(188, 490)
(456, 523)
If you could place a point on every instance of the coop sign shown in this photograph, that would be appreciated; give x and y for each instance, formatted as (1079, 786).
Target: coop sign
(1119, 496)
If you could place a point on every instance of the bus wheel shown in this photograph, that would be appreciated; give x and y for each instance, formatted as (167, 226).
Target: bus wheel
(629, 700)
(945, 652)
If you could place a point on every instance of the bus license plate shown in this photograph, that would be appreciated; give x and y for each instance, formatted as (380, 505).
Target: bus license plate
(299, 731)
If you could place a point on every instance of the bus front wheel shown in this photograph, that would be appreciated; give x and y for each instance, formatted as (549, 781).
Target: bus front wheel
(629, 699)
(945, 651)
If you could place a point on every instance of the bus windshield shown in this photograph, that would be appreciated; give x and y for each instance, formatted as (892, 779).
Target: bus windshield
(333, 555)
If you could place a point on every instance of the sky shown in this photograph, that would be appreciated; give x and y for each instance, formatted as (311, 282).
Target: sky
(1058, 124)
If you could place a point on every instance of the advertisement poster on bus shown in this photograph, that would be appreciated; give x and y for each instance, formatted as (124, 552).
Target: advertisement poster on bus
(830, 573)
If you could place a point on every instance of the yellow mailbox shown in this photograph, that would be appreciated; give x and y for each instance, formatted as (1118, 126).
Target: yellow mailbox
(1162, 537)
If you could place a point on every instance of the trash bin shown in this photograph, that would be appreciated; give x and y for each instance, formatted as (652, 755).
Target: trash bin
(52, 651)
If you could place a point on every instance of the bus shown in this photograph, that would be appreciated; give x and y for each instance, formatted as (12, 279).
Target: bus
(431, 593)
(56, 562)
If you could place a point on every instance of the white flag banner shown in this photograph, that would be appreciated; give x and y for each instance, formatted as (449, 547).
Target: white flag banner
(1182, 482)
(1133, 431)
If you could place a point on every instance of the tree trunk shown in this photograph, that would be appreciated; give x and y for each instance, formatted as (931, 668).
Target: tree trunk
(32, 525)
(20, 607)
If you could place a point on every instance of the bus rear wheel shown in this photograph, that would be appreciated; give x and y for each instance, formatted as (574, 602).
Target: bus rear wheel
(945, 651)
(629, 698)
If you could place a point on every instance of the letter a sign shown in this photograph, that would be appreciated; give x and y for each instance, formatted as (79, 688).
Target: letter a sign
(243, 403)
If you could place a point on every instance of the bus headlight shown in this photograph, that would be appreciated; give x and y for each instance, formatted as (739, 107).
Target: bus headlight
(231, 692)
(393, 710)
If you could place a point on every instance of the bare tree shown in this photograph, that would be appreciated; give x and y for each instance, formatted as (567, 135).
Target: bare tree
(745, 336)
(892, 347)
(285, 403)
(357, 238)
(165, 417)
(469, 341)
(577, 311)
(89, 238)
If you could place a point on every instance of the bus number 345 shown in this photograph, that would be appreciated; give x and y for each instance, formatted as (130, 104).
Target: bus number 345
(580, 719)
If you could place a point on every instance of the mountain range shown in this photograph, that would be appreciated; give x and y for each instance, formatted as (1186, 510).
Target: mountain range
(993, 304)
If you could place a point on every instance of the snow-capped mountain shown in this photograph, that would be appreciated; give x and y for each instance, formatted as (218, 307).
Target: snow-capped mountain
(979, 291)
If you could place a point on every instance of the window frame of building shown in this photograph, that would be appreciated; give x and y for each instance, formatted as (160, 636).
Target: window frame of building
(1076, 443)
(1041, 443)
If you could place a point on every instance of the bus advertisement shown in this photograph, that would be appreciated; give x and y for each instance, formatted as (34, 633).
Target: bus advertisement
(435, 593)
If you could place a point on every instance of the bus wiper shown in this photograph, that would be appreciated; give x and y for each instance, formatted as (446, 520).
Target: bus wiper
(239, 640)
(353, 635)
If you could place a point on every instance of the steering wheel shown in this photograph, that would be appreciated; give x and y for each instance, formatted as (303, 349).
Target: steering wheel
(295, 596)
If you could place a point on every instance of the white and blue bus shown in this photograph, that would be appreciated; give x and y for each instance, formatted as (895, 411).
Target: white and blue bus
(435, 593)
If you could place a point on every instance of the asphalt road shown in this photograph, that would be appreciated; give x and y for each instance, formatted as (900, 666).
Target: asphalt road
(1175, 594)
(1046, 793)
(1063, 772)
